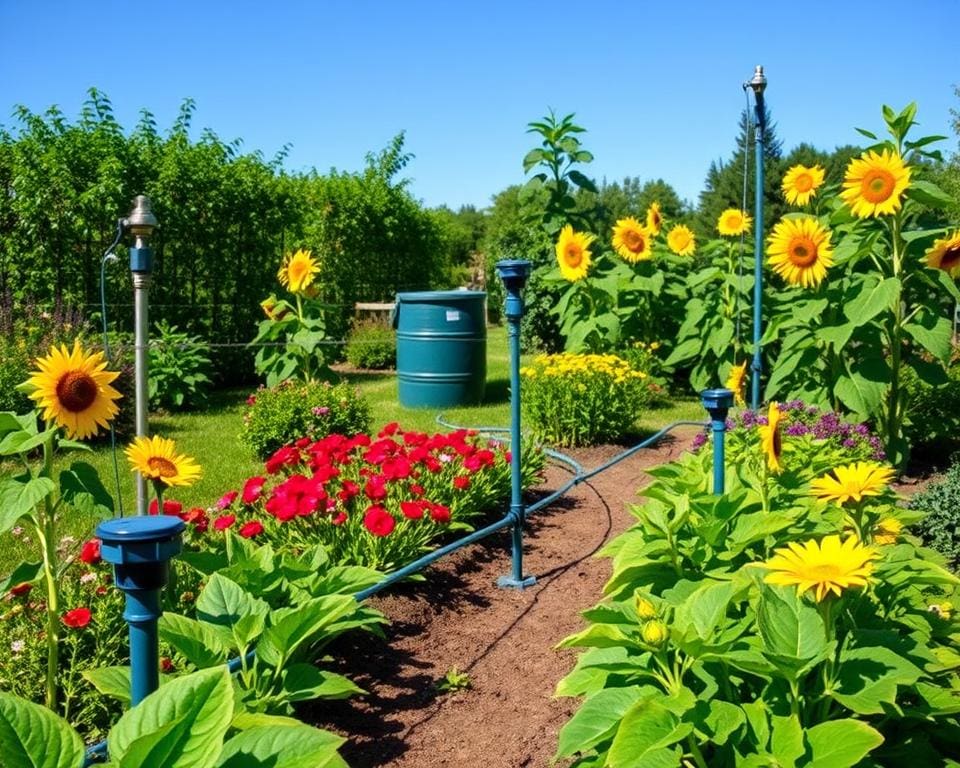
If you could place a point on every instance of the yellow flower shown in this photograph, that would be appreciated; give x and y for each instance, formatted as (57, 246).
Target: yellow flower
(733, 222)
(852, 482)
(945, 255)
(573, 253)
(645, 609)
(681, 241)
(887, 531)
(737, 381)
(654, 632)
(297, 271)
(771, 442)
(874, 183)
(654, 219)
(799, 251)
(943, 610)
(827, 566)
(800, 183)
(156, 459)
(632, 240)
(73, 390)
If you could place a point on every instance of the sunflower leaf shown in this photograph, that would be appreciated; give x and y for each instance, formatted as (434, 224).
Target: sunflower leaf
(81, 488)
(929, 194)
(19, 495)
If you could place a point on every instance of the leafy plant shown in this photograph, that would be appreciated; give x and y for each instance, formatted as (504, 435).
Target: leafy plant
(179, 368)
(371, 344)
(454, 680)
(289, 411)
(940, 503)
(933, 414)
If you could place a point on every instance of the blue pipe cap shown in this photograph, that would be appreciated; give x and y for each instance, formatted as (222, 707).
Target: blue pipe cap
(140, 540)
(717, 400)
(514, 273)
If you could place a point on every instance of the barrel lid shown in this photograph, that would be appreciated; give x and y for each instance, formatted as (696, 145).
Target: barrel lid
(122, 530)
(413, 296)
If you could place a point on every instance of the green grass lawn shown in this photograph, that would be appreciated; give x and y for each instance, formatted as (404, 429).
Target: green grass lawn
(212, 436)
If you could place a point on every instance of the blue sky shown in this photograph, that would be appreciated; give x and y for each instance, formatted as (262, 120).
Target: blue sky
(657, 85)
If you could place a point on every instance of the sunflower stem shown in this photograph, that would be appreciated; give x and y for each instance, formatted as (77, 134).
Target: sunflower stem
(46, 533)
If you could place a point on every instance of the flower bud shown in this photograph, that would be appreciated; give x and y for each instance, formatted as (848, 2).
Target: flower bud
(645, 609)
(654, 632)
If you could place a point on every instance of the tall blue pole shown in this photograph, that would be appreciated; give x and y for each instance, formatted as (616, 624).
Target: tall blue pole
(718, 403)
(514, 273)
(758, 84)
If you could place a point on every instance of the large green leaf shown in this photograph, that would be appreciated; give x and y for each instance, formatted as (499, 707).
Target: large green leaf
(867, 679)
(933, 332)
(198, 641)
(645, 736)
(223, 602)
(792, 630)
(110, 681)
(704, 609)
(181, 725)
(863, 386)
(295, 627)
(786, 740)
(302, 682)
(295, 746)
(19, 495)
(24, 572)
(716, 720)
(840, 743)
(597, 719)
(929, 194)
(870, 298)
(81, 488)
(32, 736)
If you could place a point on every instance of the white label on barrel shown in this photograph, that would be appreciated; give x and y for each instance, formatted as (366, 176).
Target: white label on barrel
(453, 315)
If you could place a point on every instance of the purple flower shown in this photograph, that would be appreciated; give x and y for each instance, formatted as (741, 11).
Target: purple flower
(798, 429)
(699, 441)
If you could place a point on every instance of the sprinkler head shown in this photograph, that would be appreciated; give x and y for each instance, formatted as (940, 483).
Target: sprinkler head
(514, 273)
(717, 402)
(758, 83)
(141, 222)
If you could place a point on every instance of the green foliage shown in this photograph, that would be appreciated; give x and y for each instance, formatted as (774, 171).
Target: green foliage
(372, 344)
(940, 503)
(292, 339)
(279, 415)
(933, 413)
(179, 368)
(454, 680)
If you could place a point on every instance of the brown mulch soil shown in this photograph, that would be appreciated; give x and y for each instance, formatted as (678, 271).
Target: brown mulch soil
(503, 639)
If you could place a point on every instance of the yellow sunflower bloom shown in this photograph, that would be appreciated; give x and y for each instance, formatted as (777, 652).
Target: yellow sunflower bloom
(297, 271)
(799, 251)
(73, 390)
(887, 531)
(632, 240)
(771, 442)
(945, 255)
(156, 459)
(800, 183)
(681, 241)
(733, 222)
(852, 482)
(654, 219)
(874, 183)
(737, 383)
(826, 566)
(573, 253)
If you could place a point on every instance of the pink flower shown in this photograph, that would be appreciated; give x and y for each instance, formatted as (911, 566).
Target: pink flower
(223, 522)
(253, 490)
(78, 618)
(226, 500)
(251, 529)
(378, 521)
(90, 552)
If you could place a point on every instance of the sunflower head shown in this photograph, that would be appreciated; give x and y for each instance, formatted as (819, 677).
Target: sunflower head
(733, 222)
(887, 531)
(945, 255)
(573, 253)
(654, 219)
(771, 441)
(632, 240)
(73, 390)
(825, 566)
(736, 382)
(852, 482)
(799, 251)
(874, 183)
(298, 271)
(800, 183)
(681, 241)
(156, 459)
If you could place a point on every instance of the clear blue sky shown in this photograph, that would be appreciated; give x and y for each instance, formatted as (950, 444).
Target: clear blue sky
(657, 84)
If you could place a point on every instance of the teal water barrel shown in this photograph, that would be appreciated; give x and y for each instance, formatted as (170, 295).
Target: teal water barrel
(441, 348)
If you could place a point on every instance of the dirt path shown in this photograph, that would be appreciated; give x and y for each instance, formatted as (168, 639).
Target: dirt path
(503, 639)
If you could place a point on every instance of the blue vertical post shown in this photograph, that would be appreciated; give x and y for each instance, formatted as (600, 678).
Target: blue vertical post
(140, 549)
(514, 273)
(758, 84)
(718, 403)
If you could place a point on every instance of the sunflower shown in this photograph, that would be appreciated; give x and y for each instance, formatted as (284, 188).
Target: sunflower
(573, 253)
(771, 442)
(297, 271)
(681, 241)
(874, 183)
(632, 240)
(156, 459)
(887, 531)
(945, 255)
(73, 389)
(799, 251)
(852, 482)
(825, 566)
(800, 183)
(736, 382)
(733, 222)
(654, 219)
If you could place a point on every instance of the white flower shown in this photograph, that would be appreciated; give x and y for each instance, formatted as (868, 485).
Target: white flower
(17, 530)
(88, 577)
(17, 646)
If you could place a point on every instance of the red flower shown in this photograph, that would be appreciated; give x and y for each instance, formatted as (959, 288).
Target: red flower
(396, 468)
(440, 513)
(303, 442)
(378, 521)
(226, 500)
(417, 490)
(433, 464)
(253, 490)
(100, 591)
(390, 430)
(196, 516)
(412, 510)
(348, 491)
(376, 488)
(340, 519)
(251, 529)
(461, 482)
(90, 552)
(166, 665)
(21, 589)
(297, 495)
(288, 456)
(78, 618)
(223, 522)
(170, 507)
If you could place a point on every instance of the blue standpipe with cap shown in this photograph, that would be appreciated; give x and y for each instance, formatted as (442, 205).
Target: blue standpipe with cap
(514, 273)
(718, 403)
(140, 549)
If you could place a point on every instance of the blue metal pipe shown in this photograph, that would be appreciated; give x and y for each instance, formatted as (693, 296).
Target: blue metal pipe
(759, 125)
(141, 612)
(718, 403)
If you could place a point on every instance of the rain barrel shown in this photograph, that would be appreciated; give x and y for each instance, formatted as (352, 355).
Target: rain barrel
(441, 348)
